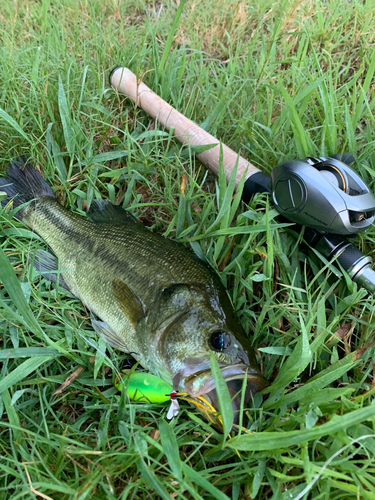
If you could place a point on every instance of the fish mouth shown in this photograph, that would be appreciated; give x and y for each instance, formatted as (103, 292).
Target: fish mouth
(202, 384)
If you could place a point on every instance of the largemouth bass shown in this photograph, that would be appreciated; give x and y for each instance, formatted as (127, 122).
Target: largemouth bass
(151, 296)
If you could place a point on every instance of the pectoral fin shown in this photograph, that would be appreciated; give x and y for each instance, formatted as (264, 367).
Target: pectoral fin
(128, 302)
(106, 332)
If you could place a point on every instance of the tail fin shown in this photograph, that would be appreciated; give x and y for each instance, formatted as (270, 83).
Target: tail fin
(23, 184)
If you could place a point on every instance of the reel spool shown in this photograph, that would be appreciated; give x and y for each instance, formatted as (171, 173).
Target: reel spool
(324, 194)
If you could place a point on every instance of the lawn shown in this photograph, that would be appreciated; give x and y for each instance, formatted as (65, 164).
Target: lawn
(274, 81)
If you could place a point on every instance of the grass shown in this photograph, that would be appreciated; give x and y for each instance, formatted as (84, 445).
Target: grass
(274, 81)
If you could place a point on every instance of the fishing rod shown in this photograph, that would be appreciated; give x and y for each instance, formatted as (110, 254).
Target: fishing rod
(323, 194)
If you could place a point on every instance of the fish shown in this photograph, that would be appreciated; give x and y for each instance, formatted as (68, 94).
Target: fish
(148, 295)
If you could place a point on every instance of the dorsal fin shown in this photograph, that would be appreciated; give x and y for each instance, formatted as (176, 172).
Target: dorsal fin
(105, 211)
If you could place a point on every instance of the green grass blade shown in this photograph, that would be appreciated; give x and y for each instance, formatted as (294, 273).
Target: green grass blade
(55, 152)
(316, 384)
(22, 371)
(28, 352)
(301, 138)
(151, 480)
(168, 43)
(170, 447)
(201, 481)
(13, 287)
(294, 365)
(223, 396)
(104, 157)
(66, 119)
(202, 148)
(264, 441)
(4, 115)
(14, 421)
(366, 84)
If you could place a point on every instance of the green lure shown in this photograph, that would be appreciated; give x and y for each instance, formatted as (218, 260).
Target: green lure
(144, 387)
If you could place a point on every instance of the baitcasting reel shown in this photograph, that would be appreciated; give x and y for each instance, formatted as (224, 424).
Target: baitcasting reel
(327, 197)
(323, 193)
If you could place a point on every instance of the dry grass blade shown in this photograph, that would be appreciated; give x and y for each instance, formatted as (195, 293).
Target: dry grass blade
(33, 490)
(72, 377)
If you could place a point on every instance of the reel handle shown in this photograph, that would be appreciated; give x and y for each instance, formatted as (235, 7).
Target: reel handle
(186, 131)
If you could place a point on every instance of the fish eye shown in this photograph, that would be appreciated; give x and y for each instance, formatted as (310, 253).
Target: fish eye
(219, 340)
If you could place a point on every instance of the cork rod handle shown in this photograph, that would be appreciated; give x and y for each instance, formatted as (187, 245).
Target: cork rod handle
(186, 131)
